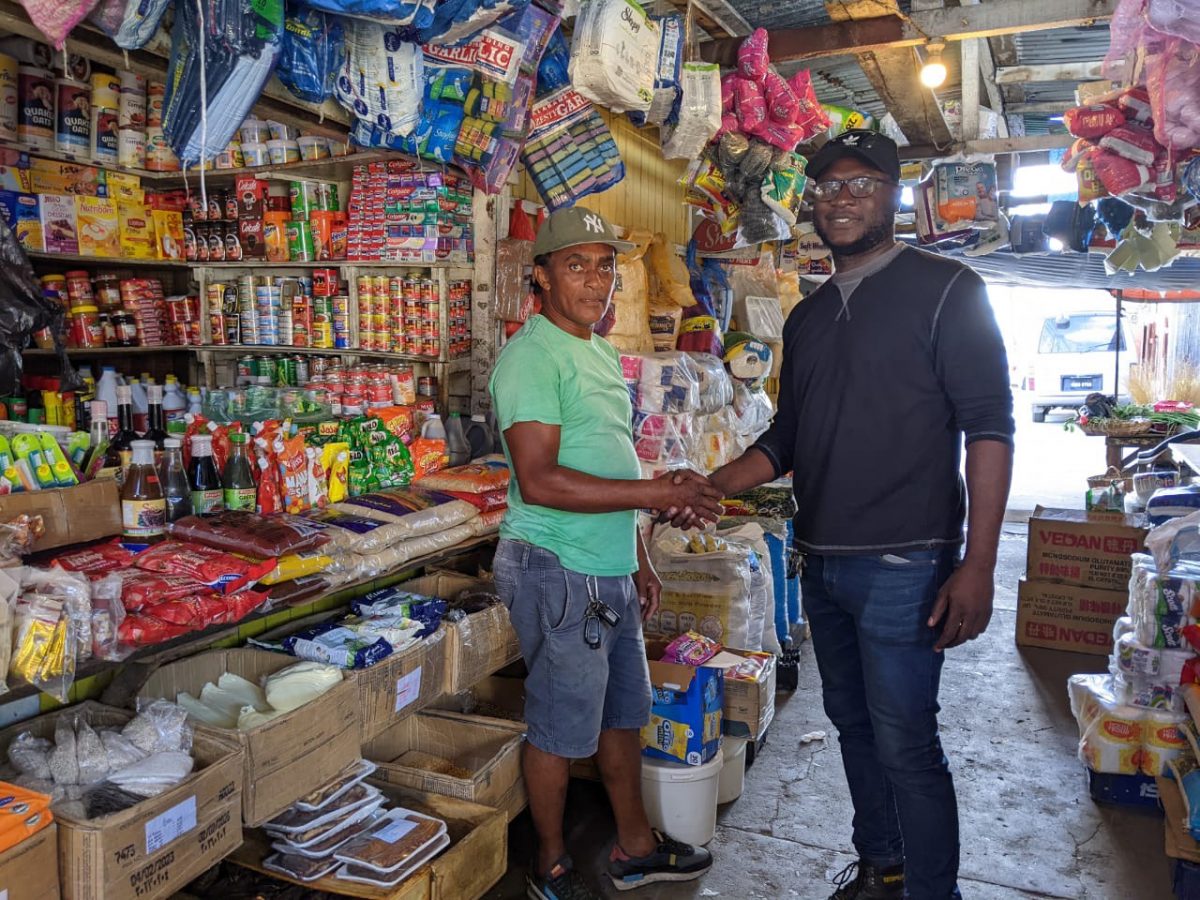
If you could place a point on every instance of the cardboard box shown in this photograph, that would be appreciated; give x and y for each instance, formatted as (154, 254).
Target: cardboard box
(287, 757)
(123, 187)
(86, 512)
(1068, 617)
(49, 177)
(168, 233)
(400, 685)
(23, 216)
(480, 644)
(59, 229)
(29, 871)
(137, 230)
(153, 849)
(99, 228)
(476, 859)
(411, 753)
(749, 706)
(1089, 549)
(685, 718)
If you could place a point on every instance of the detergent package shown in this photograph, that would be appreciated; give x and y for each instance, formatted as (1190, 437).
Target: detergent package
(666, 77)
(381, 81)
(570, 152)
(311, 54)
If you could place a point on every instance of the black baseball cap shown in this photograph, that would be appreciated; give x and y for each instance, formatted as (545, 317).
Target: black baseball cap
(875, 149)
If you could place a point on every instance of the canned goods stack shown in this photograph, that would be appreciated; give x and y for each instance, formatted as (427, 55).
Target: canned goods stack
(183, 314)
(354, 390)
(460, 317)
(106, 311)
(279, 311)
(377, 330)
(399, 215)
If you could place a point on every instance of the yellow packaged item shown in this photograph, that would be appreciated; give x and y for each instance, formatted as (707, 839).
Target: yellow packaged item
(40, 650)
(123, 186)
(98, 227)
(335, 458)
(137, 231)
(289, 568)
(49, 177)
(168, 233)
(668, 736)
(23, 813)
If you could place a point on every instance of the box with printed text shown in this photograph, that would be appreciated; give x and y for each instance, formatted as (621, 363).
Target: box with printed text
(1089, 549)
(685, 715)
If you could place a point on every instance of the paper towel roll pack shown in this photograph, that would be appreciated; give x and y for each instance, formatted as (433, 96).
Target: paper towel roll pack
(1120, 739)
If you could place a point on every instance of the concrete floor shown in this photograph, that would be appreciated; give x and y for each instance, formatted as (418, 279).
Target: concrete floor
(1029, 828)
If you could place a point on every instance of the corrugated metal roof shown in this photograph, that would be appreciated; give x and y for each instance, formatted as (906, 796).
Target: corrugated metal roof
(1062, 45)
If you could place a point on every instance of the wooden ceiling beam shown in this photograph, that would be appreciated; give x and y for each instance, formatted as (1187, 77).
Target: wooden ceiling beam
(1073, 71)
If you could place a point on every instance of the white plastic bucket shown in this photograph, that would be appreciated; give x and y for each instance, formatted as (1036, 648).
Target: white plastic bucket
(682, 800)
(733, 773)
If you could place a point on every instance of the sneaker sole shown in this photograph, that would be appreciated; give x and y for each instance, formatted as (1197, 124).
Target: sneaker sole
(656, 877)
(534, 893)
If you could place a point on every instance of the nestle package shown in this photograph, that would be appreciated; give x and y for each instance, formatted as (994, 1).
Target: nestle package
(220, 571)
(238, 531)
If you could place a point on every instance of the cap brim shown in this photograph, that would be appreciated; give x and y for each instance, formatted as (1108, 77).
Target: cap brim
(619, 246)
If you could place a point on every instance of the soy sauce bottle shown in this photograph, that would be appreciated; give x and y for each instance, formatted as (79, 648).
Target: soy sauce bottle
(176, 491)
(143, 510)
(203, 478)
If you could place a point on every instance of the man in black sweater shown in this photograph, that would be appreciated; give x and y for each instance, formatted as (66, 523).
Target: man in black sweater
(886, 369)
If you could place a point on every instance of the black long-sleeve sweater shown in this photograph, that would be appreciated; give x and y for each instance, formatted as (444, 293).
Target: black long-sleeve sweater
(885, 370)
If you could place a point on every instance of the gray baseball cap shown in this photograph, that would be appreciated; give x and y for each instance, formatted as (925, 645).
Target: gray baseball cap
(571, 227)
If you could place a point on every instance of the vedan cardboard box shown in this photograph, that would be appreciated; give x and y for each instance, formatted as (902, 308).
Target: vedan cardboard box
(480, 644)
(1067, 616)
(154, 848)
(86, 512)
(1089, 549)
(400, 685)
(468, 757)
(29, 871)
(685, 718)
(475, 860)
(286, 757)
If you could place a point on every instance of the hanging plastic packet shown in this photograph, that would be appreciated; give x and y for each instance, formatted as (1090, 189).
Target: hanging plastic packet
(667, 74)
(311, 53)
(381, 81)
(457, 20)
(699, 116)
(570, 152)
(410, 15)
(553, 70)
(614, 55)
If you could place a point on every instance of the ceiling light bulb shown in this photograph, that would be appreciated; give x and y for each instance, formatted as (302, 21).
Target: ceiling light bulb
(933, 73)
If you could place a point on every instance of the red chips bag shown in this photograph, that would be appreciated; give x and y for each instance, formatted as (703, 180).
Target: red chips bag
(139, 589)
(486, 502)
(95, 562)
(219, 571)
(141, 631)
(1093, 121)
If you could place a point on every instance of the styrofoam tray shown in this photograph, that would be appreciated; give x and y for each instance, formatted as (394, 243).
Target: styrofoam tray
(425, 855)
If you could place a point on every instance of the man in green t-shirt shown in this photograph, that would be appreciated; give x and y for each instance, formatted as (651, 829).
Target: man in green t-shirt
(568, 548)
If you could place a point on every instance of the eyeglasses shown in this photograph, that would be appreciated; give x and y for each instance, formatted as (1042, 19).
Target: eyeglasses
(863, 186)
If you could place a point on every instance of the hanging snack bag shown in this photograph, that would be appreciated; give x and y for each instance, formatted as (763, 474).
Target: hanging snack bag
(753, 60)
(1093, 121)
(570, 152)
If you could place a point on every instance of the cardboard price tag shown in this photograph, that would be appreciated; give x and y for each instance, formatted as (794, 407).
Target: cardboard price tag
(408, 688)
(178, 820)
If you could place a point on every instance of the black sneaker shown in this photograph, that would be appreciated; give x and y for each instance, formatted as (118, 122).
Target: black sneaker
(563, 883)
(672, 861)
(862, 881)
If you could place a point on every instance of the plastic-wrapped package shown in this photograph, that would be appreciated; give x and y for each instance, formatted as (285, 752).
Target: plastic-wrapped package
(811, 118)
(663, 439)
(762, 583)
(553, 70)
(156, 773)
(238, 531)
(750, 104)
(714, 384)
(457, 20)
(662, 383)
(1173, 83)
(402, 552)
(754, 413)
(1117, 174)
(753, 60)
(1110, 734)
(709, 593)
(55, 20)
(1132, 142)
(405, 514)
(292, 687)
(53, 626)
(411, 14)
(160, 726)
(1180, 18)
(30, 755)
(219, 571)
(570, 151)
(1093, 121)
(1175, 542)
(666, 77)
(311, 53)
(382, 77)
(614, 55)
(699, 111)
(108, 612)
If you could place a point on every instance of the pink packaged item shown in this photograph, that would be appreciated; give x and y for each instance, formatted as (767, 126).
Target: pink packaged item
(1173, 83)
(691, 649)
(753, 60)
(1133, 142)
(782, 105)
(1093, 121)
(1180, 18)
(55, 20)
(727, 84)
(810, 115)
(729, 122)
(1118, 174)
(785, 137)
(751, 104)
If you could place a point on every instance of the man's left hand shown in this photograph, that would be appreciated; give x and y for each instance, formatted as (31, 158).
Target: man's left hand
(964, 605)
(649, 588)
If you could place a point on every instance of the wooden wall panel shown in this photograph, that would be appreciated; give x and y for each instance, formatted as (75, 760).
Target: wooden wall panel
(649, 197)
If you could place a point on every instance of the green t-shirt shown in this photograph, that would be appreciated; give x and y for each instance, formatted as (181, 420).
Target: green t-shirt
(546, 375)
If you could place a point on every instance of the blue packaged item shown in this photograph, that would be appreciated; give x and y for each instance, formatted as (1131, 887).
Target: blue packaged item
(411, 16)
(336, 645)
(1171, 503)
(457, 20)
(685, 716)
(390, 601)
(552, 73)
(311, 53)
(666, 77)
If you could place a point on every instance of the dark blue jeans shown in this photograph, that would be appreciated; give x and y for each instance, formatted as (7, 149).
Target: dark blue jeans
(880, 678)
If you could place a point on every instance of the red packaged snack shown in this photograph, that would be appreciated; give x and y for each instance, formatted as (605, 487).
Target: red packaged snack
(293, 473)
(218, 571)
(139, 589)
(241, 531)
(222, 446)
(270, 497)
(1135, 103)
(141, 631)
(95, 562)
(194, 613)
(241, 604)
(1133, 142)
(1117, 174)
(428, 456)
(1093, 121)
(753, 59)
(486, 502)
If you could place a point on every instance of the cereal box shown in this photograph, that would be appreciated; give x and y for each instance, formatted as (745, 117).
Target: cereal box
(21, 214)
(123, 186)
(47, 177)
(14, 178)
(58, 223)
(99, 233)
(168, 232)
(137, 231)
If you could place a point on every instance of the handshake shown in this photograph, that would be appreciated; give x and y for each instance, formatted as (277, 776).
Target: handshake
(686, 499)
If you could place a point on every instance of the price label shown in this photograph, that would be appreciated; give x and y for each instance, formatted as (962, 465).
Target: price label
(396, 830)
(408, 688)
(162, 829)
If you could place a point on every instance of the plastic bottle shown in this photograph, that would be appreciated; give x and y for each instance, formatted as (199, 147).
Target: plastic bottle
(155, 432)
(174, 402)
(433, 428)
(141, 405)
(176, 491)
(143, 509)
(238, 480)
(457, 446)
(106, 390)
(479, 436)
(193, 398)
(100, 462)
(208, 496)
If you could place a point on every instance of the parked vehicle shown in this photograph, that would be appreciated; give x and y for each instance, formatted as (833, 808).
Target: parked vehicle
(1076, 356)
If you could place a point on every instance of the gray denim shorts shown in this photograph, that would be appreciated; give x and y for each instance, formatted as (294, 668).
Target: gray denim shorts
(573, 692)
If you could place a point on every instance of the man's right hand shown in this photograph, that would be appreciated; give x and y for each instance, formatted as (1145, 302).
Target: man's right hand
(686, 499)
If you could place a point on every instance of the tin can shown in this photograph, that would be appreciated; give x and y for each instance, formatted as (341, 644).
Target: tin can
(321, 335)
(300, 242)
(216, 328)
(285, 371)
(427, 386)
(35, 115)
(265, 369)
(302, 371)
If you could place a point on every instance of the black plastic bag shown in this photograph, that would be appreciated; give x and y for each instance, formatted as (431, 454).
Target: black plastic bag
(23, 310)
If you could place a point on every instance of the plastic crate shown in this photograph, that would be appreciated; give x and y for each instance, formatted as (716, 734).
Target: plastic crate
(1137, 791)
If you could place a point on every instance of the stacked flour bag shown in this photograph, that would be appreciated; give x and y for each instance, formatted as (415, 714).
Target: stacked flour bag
(665, 391)
(614, 55)
(715, 426)
(1118, 738)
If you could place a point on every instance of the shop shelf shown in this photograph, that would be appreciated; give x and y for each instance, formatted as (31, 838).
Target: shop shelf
(113, 351)
(102, 262)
